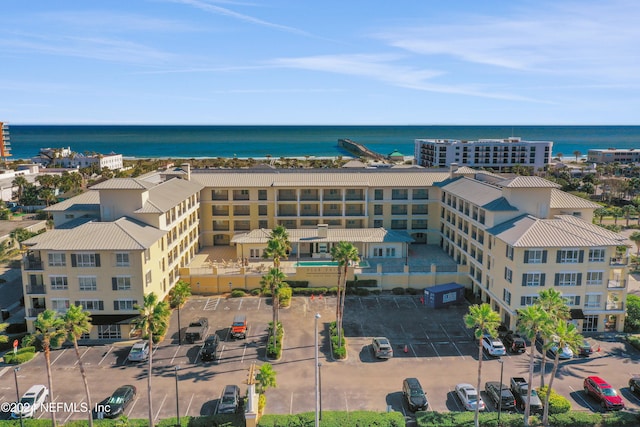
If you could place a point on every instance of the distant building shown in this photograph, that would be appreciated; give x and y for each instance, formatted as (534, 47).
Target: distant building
(611, 155)
(64, 157)
(500, 154)
(5, 143)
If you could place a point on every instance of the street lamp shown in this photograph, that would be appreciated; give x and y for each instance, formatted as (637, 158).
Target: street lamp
(18, 407)
(176, 368)
(317, 421)
(500, 394)
(320, 388)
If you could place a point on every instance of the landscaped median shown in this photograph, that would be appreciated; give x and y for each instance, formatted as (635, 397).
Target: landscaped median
(22, 355)
(335, 419)
(220, 420)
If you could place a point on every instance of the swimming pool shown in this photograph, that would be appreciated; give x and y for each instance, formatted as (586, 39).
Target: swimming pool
(324, 264)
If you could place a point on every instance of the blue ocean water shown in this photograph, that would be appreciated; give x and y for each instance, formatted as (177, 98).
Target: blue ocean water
(293, 141)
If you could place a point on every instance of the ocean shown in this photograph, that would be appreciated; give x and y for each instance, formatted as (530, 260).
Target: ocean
(150, 141)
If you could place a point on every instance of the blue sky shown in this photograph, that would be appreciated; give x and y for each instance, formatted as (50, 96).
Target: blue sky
(372, 62)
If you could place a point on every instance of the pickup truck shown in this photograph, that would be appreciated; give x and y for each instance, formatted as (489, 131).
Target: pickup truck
(520, 388)
(197, 330)
(239, 327)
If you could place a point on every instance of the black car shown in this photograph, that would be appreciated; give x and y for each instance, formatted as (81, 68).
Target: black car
(492, 388)
(634, 384)
(209, 348)
(515, 343)
(414, 394)
(587, 347)
(115, 405)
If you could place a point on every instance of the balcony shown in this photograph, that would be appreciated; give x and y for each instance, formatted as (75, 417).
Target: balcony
(33, 312)
(616, 284)
(36, 289)
(614, 306)
(624, 260)
(32, 263)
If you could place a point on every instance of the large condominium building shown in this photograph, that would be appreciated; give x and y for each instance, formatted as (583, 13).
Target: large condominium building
(504, 239)
(611, 155)
(110, 247)
(5, 142)
(64, 157)
(497, 154)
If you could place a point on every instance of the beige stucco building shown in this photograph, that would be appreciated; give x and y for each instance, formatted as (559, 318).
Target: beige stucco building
(505, 239)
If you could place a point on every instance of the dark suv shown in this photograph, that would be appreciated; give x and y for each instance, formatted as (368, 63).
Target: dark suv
(492, 388)
(514, 343)
(209, 348)
(414, 394)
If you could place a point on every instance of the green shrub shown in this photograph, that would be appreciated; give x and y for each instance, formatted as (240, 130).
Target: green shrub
(414, 291)
(335, 419)
(298, 283)
(28, 340)
(368, 283)
(284, 297)
(558, 404)
(274, 346)
(332, 291)
(620, 419)
(238, 293)
(255, 292)
(362, 292)
(309, 291)
(465, 419)
(11, 359)
(338, 352)
(397, 291)
(262, 402)
(376, 292)
(29, 349)
(575, 419)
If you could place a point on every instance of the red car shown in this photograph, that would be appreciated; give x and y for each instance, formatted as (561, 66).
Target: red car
(603, 392)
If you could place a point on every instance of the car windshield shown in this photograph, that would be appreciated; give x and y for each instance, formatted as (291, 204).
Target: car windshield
(27, 400)
(115, 400)
(609, 392)
(416, 392)
(136, 350)
(228, 399)
(533, 393)
(497, 344)
(472, 398)
(211, 343)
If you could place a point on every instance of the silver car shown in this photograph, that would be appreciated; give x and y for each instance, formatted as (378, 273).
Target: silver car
(469, 397)
(139, 352)
(382, 348)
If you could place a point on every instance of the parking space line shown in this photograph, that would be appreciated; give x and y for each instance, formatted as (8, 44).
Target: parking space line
(582, 398)
(220, 355)
(71, 413)
(160, 407)
(455, 400)
(106, 354)
(174, 355)
(361, 304)
(414, 303)
(434, 349)
(458, 350)
(189, 405)
(240, 305)
(132, 406)
(378, 301)
(82, 355)
(59, 356)
(413, 351)
(244, 351)
(291, 405)
(346, 402)
(259, 301)
(396, 301)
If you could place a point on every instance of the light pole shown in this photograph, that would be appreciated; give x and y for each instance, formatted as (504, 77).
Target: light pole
(177, 396)
(317, 422)
(320, 388)
(18, 407)
(500, 394)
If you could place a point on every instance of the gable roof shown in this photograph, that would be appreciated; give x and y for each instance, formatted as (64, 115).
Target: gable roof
(527, 182)
(123, 184)
(560, 199)
(168, 194)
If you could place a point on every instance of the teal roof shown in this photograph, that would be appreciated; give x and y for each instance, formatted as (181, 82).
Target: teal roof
(396, 153)
(499, 205)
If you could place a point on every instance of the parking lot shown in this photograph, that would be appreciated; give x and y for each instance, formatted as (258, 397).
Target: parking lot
(430, 344)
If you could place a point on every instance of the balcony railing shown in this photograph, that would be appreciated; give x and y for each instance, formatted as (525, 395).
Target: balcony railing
(614, 305)
(617, 284)
(619, 261)
(36, 289)
(33, 312)
(32, 264)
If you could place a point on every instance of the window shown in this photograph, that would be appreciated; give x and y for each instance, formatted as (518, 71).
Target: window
(569, 256)
(506, 296)
(122, 259)
(572, 300)
(378, 194)
(147, 278)
(109, 332)
(592, 301)
(59, 283)
(85, 260)
(124, 304)
(400, 194)
(590, 323)
(533, 279)
(390, 252)
(595, 277)
(262, 210)
(61, 305)
(262, 194)
(508, 274)
(377, 209)
(596, 255)
(509, 252)
(122, 283)
(535, 256)
(528, 300)
(377, 223)
(377, 251)
(254, 253)
(57, 260)
(91, 304)
(88, 283)
(398, 224)
(568, 279)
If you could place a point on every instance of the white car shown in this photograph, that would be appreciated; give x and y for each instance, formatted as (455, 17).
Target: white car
(139, 352)
(382, 348)
(469, 397)
(565, 352)
(493, 346)
(31, 402)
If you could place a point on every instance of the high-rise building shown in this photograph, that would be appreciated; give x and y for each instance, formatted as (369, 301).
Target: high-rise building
(5, 143)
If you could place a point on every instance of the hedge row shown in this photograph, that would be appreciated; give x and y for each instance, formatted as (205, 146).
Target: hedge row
(335, 419)
(558, 404)
(220, 420)
(274, 349)
(338, 352)
(22, 355)
(298, 283)
(568, 419)
(368, 283)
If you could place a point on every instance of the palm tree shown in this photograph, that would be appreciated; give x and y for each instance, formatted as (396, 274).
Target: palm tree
(178, 295)
(577, 153)
(153, 319)
(629, 210)
(76, 323)
(635, 238)
(344, 253)
(553, 303)
(531, 320)
(20, 182)
(601, 213)
(274, 281)
(50, 329)
(616, 212)
(565, 334)
(278, 245)
(485, 320)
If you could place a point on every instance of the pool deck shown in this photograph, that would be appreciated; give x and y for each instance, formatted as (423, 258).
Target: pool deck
(420, 259)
